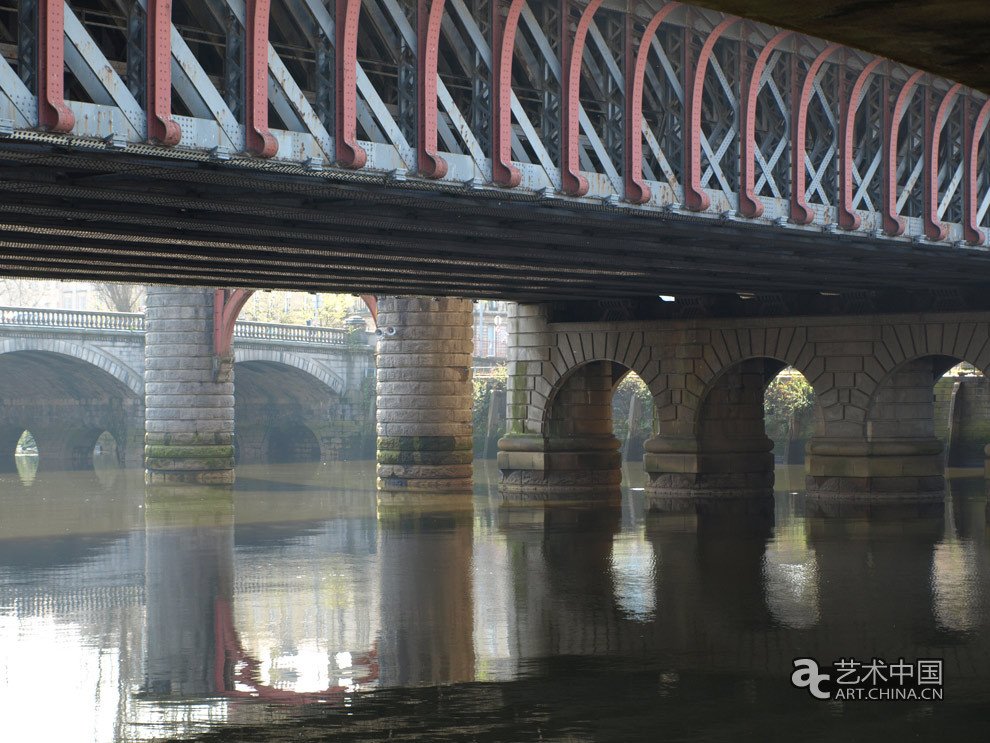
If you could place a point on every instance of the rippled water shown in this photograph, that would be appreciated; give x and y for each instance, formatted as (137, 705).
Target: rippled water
(299, 609)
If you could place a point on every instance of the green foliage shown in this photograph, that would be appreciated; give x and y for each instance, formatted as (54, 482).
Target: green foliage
(788, 406)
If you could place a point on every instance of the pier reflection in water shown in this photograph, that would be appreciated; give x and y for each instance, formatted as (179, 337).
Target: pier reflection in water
(294, 607)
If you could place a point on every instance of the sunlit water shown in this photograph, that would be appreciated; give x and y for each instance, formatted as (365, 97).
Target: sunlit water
(299, 609)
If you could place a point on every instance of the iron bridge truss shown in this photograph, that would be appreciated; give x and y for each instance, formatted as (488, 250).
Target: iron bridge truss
(513, 148)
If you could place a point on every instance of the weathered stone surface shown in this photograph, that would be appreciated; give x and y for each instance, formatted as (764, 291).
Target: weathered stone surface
(424, 395)
(872, 376)
(183, 424)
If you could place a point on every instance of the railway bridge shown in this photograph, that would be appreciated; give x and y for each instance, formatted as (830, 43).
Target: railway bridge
(587, 159)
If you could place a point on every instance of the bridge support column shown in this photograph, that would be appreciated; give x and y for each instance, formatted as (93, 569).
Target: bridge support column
(9, 436)
(580, 456)
(424, 390)
(895, 453)
(728, 453)
(879, 467)
(573, 454)
(189, 392)
(62, 449)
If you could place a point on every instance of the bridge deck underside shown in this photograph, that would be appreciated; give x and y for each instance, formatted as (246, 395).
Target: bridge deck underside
(527, 149)
(118, 217)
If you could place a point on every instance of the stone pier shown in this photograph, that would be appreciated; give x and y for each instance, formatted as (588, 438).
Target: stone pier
(189, 392)
(424, 395)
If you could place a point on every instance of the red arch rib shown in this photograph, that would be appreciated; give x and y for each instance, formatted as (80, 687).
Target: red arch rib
(260, 141)
(893, 225)
(934, 229)
(161, 128)
(428, 19)
(801, 213)
(504, 28)
(848, 219)
(694, 197)
(348, 152)
(53, 114)
(749, 205)
(971, 229)
(227, 305)
(636, 190)
(571, 52)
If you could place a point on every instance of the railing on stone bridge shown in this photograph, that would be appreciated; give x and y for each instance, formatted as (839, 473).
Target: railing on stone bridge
(48, 318)
(298, 333)
(134, 321)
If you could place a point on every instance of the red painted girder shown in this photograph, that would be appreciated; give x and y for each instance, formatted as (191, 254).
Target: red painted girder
(260, 141)
(348, 152)
(53, 114)
(227, 305)
(694, 76)
(848, 219)
(934, 229)
(429, 16)
(161, 128)
(505, 23)
(371, 302)
(801, 213)
(972, 233)
(893, 225)
(749, 205)
(572, 182)
(637, 191)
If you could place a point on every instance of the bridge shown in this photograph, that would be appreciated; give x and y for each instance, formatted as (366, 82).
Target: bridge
(275, 145)
(585, 159)
(68, 376)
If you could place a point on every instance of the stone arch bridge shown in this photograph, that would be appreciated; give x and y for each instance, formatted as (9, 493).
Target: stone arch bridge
(68, 376)
(873, 376)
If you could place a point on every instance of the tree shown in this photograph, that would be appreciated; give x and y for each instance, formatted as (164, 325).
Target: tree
(120, 297)
(787, 404)
(22, 292)
(300, 308)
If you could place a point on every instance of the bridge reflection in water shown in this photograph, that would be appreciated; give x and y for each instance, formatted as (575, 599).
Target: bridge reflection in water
(294, 607)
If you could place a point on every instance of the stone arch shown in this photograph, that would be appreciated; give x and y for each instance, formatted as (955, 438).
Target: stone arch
(913, 356)
(83, 352)
(893, 449)
(67, 400)
(575, 349)
(273, 400)
(725, 351)
(287, 358)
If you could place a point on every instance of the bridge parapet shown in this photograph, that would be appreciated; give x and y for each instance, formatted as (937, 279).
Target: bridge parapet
(33, 317)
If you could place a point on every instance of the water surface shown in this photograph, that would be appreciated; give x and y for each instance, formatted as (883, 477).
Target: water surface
(300, 609)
